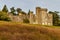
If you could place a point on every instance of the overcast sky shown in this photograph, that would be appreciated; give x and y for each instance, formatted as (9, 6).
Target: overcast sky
(25, 5)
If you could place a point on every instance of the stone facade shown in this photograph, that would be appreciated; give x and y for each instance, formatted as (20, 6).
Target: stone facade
(31, 18)
(41, 17)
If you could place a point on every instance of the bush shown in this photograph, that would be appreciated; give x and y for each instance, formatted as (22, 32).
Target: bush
(25, 20)
(4, 16)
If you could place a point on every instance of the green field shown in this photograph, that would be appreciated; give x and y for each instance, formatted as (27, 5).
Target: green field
(20, 31)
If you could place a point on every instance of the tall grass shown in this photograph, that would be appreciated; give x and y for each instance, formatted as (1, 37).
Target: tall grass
(20, 31)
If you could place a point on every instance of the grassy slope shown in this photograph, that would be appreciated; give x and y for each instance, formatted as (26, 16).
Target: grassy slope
(20, 31)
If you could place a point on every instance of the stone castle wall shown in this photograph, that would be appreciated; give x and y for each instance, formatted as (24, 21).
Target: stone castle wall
(38, 15)
(41, 17)
(31, 18)
(44, 16)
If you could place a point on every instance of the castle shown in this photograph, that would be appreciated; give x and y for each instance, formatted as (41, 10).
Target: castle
(41, 17)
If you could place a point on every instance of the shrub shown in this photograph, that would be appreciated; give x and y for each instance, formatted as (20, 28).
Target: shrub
(25, 20)
(4, 16)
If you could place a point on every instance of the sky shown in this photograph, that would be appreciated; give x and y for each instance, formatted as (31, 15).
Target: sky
(25, 5)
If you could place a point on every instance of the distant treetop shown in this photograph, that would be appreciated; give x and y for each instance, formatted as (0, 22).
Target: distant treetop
(5, 9)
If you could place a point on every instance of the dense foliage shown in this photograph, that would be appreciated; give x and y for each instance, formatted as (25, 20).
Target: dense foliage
(4, 16)
(5, 9)
(18, 10)
(26, 20)
(55, 17)
(13, 11)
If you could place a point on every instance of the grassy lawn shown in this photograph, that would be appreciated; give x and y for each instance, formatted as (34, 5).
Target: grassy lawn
(22, 31)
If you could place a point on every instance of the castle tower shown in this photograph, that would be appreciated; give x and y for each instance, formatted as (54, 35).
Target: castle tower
(31, 17)
(38, 15)
(44, 16)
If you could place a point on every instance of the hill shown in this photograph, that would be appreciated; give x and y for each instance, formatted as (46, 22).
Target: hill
(20, 31)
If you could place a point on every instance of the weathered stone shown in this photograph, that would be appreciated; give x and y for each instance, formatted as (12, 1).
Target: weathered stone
(41, 17)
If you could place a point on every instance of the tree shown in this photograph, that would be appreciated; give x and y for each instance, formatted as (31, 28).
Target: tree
(55, 17)
(13, 11)
(29, 12)
(23, 12)
(18, 10)
(59, 20)
(5, 9)
(4, 16)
